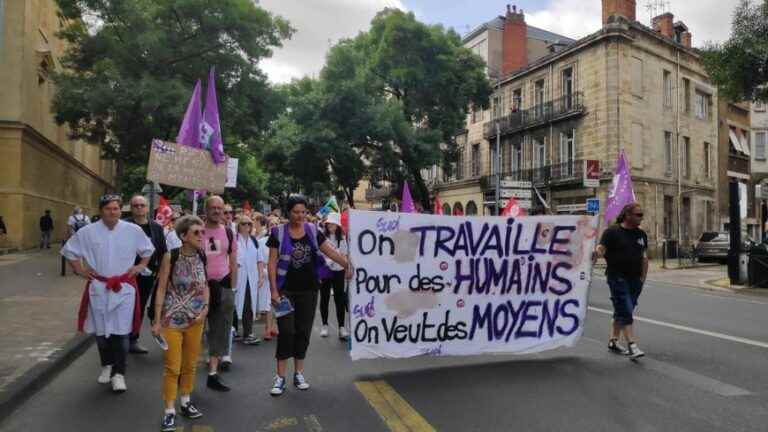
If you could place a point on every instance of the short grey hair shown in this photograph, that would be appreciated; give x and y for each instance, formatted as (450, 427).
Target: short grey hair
(184, 223)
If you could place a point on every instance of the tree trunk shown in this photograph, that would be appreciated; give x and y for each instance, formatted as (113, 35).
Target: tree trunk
(350, 194)
(421, 190)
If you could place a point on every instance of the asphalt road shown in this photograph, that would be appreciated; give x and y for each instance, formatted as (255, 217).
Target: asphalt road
(706, 370)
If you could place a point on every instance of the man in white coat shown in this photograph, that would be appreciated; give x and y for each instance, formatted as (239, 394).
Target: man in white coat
(109, 306)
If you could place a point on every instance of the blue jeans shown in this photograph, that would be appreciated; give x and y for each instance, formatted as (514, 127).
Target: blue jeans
(624, 294)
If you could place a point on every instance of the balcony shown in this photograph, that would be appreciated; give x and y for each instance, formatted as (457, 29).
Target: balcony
(562, 108)
(571, 172)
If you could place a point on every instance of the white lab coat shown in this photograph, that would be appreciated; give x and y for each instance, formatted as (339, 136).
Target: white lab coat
(109, 253)
(248, 258)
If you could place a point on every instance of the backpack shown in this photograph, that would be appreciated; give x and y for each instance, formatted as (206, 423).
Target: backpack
(80, 223)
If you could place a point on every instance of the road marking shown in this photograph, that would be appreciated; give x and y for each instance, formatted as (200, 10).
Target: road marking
(313, 424)
(692, 378)
(692, 330)
(281, 423)
(396, 412)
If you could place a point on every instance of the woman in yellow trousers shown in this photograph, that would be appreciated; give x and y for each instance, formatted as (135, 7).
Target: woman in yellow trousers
(180, 309)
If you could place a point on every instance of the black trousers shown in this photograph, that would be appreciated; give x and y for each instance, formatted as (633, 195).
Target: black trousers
(296, 327)
(113, 351)
(247, 314)
(339, 297)
(146, 291)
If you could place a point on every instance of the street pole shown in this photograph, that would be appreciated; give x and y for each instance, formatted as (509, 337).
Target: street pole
(498, 148)
(152, 193)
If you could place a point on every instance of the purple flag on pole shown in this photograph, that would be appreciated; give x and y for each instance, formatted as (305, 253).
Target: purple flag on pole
(210, 128)
(407, 204)
(189, 134)
(621, 192)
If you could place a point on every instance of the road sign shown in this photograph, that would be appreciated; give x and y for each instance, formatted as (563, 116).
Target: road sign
(516, 184)
(570, 208)
(593, 205)
(526, 204)
(517, 193)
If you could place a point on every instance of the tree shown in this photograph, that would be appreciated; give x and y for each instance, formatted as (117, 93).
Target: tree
(423, 81)
(131, 66)
(739, 66)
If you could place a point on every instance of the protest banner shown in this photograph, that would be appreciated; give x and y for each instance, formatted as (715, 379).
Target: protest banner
(450, 285)
(188, 167)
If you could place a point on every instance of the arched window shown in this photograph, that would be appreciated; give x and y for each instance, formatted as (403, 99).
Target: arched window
(458, 209)
(471, 209)
(446, 209)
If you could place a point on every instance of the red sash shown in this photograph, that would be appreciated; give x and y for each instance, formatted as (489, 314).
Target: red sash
(114, 284)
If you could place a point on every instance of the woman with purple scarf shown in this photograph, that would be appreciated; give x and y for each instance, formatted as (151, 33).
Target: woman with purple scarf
(295, 268)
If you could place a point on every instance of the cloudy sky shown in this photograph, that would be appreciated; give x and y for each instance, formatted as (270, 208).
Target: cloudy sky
(320, 23)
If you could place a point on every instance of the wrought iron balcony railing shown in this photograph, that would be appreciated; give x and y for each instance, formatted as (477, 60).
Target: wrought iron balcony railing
(554, 110)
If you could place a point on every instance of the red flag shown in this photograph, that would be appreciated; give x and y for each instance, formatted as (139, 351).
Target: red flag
(438, 206)
(247, 207)
(345, 221)
(513, 208)
(164, 212)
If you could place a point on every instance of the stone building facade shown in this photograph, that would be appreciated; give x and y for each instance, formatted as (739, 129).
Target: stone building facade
(41, 167)
(734, 155)
(626, 87)
(758, 162)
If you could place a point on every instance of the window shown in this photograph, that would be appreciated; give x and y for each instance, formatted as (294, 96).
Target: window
(668, 208)
(539, 153)
(538, 98)
(496, 108)
(460, 164)
(667, 89)
(477, 115)
(494, 162)
(707, 160)
(475, 160)
(687, 95)
(668, 153)
(761, 139)
(638, 160)
(517, 156)
(567, 152)
(702, 106)
(686, 162)
(567, 88)
(471, 208)
(637, 76)
(517, 100)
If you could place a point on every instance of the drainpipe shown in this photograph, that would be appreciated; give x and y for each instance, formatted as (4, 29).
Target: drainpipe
(498, 147)
(679, 165)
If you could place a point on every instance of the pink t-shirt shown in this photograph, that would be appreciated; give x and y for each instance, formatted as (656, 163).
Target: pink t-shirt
(216, 243)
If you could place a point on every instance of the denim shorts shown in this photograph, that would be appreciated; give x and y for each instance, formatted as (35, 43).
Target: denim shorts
(624, 294)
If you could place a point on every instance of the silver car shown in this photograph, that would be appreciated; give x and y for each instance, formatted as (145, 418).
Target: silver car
(713, 246)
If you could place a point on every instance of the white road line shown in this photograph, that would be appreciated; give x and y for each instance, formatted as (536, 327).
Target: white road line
(692, 330)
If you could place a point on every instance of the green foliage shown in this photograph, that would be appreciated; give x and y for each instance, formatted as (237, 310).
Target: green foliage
(739, 66)
(129, 73)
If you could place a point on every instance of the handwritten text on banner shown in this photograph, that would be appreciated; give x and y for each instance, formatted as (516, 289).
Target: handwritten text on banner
(449, 285)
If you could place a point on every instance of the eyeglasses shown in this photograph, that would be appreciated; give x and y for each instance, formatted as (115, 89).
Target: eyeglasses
(246, 223)
(198, 232)
(638, 214)
(212, 244)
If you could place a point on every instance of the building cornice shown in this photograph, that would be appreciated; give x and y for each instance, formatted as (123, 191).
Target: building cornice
(52, 147)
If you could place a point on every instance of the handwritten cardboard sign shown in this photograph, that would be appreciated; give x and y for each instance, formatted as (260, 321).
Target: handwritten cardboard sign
(451, 285)
(183, 166)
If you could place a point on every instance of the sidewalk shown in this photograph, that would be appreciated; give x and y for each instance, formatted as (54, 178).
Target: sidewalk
(38, 337)
(709, 276)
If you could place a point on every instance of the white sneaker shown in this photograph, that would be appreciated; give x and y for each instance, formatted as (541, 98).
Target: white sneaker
(324, 331)
(634, 352)
(118, 384)
(343, 333)
(106, 375)
(300, 382)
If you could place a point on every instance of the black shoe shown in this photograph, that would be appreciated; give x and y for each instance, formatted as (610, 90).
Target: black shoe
(225, 365)
(190, 411)
(135, 348)
(215, 383)
(169, 423)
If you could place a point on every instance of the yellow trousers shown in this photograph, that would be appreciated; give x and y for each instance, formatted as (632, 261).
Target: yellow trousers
(180, 360)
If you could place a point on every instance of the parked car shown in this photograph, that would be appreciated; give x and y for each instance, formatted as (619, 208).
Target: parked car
(713, 246)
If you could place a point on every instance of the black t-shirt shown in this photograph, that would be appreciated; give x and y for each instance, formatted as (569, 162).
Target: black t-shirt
(624, 251)
(158, 241)
(301, 272)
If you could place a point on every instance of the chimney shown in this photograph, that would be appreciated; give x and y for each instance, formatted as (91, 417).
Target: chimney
(625, 8)
(664, 24)
(515, 41)
(686, 39)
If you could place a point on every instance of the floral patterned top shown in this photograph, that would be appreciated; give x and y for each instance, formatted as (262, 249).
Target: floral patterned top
(185, 294)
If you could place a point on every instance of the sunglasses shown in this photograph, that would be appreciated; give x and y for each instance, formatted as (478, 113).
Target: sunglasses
(246, 223)
(198, 233)
(638, 214)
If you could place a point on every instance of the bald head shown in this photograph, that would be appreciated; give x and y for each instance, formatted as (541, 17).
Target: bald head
(139, 208)
(214, 209)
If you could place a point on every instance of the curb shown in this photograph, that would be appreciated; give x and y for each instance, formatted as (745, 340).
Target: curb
(41, 374)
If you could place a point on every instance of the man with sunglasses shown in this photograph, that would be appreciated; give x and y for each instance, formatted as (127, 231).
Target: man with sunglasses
(624, 246)
(221, 254)
(146, 280)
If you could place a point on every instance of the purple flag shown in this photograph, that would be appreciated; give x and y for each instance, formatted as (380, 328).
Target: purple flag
(189, 134)
(210, 128)
(621, 192)
(407, 205)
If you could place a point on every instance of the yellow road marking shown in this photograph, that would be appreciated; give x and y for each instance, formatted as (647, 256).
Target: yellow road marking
(282, 422)
(396, 412)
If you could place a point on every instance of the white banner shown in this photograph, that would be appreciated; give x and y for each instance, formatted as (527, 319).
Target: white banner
(232, 165)
(451, 285)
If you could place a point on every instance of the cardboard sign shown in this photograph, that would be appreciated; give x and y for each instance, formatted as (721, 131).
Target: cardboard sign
(183, 166)
(452, 285)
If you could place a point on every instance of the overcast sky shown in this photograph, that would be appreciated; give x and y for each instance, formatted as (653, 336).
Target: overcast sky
(320, 23)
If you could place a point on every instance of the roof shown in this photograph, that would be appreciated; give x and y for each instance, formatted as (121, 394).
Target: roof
(533, 32)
